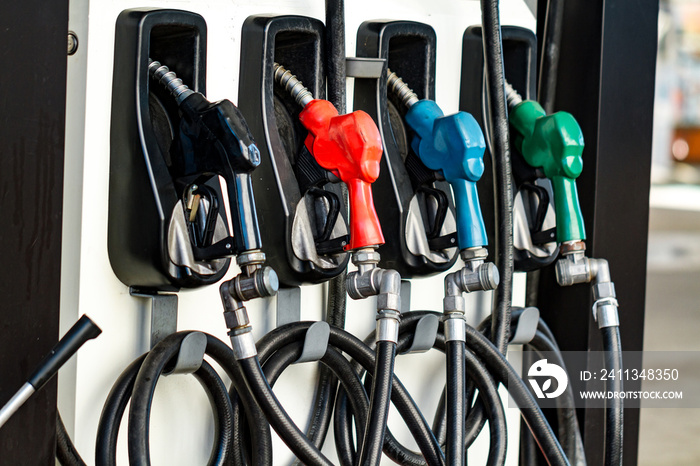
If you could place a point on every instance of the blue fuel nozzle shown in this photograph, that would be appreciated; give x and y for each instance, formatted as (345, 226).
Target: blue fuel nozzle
(455, 145)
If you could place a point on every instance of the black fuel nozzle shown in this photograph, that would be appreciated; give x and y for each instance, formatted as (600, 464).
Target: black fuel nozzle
(213, 139)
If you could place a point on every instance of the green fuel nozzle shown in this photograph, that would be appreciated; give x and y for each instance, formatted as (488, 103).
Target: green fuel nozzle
(553, 143)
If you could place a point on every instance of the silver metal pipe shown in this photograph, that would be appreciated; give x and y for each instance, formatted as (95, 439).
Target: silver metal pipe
(388, 326)
(16, 402)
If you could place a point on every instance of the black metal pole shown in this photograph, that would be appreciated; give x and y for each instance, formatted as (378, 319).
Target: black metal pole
(33, 38)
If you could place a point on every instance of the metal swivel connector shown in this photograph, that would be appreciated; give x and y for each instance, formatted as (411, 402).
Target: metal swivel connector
(476, 275)
(291, 84)
(574, 268)
(262, 282)
(401, 89)
(169, 80)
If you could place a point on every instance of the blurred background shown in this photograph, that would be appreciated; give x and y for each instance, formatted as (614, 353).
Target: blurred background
(669, 436)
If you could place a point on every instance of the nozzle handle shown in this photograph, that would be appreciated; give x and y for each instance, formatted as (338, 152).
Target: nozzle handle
(569, 218)
(471, 232)
(83, 330)
(555, 144)
(216, 140)
(455, 145)
(350, 146)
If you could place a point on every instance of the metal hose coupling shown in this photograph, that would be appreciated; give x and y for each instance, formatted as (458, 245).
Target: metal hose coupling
(401, 89)
(574, 268)
(476, 275)
(291, 84)
(257, 283)
(263, 282)
(370, 280)
(455, 326)
(169, 80)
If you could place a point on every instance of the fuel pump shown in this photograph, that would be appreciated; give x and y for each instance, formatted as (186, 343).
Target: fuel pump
(168, 226)
(534, 242)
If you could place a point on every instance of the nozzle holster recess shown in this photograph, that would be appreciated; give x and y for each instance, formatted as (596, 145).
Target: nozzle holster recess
(455, 145)
(350, 146)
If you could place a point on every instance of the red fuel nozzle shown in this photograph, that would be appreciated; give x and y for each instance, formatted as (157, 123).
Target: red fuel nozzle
(349, 146)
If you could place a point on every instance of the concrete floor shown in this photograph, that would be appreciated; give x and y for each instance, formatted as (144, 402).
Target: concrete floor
(670, 436)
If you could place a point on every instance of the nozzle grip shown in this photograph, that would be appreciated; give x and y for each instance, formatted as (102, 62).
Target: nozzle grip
(471, 232)
(365, 229)
(244, 217)
(570, 225)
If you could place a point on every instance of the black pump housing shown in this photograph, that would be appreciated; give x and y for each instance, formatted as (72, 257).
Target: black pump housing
(302, 216)
(143, 196)
(415, 206)
(520, 64)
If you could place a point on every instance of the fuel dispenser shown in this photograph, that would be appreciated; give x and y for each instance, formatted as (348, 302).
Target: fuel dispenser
(302, 192)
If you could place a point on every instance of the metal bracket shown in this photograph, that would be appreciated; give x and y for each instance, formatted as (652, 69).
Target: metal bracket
(405, 295)
(315, 342)
(364, 67)
(527, 326)
(288, 305)
(425, 334)
(163, 314)
(191, 354)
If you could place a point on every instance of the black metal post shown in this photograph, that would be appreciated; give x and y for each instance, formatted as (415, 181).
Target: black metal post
(33, 46)
(606, 80)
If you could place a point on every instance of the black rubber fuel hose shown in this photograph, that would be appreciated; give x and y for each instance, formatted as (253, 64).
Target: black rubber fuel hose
(327, 384)
(258, 427)
(455, 403)
(66, 454)
(614, 409)
(549, 62)
(483, 380)
(341, 368)
(142, 398)
(392, 448)
(500, 153)
(499, 367)
(569, 433)
(365, 357)
(112, 413)
(118, 398)
(380, 399)
(278, 418)
(494, 410)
